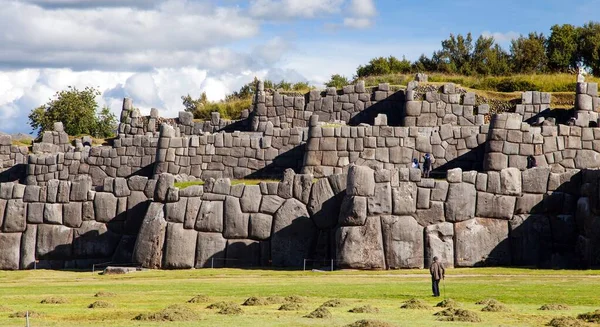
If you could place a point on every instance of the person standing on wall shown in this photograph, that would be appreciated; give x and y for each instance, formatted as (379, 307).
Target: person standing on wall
(426, 165)
(437, 272)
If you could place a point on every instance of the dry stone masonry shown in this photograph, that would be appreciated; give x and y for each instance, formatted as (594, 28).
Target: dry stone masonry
(345, 189)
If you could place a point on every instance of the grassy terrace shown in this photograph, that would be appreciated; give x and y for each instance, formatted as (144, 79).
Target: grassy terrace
(522, 290)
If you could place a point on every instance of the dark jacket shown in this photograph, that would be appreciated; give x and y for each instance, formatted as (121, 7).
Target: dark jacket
(437, 270)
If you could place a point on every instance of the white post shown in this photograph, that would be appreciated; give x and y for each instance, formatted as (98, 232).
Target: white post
(212, 263)
(304, 265)
(331, 264)
(27, 319)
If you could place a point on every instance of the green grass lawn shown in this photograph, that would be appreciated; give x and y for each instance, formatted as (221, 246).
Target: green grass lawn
(522, 290)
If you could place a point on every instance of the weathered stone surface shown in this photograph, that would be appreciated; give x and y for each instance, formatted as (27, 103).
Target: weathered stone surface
(353, 211)
(495, 206)
(381, 201)
(54, 242)
(510, 181)
(439, 242)
(480, 242)
(302, 187)
(243, 253)
(361, 181)
(180, 247)
(210, 217)
(322, 206)
(53, 213)
(435, 214)
(270, 204)
(121, 189)
(403, 242)
(175, 211)
(535, 180)
(286, 186)
(148, 249)
(250, 200)
(210, 250)
(191, 212)
(260, 226)
(72, 214)
(94, 240)
(105, 207)
(235, 221)
(529, 203)
(404, 199)
(15, 216)
(361, 247)
(164, 182)
(28, 241)
(137, 183)
(293, 235)
(531, 240)
(137, 204)
(460, 205)
(10, 251)
(32, 193)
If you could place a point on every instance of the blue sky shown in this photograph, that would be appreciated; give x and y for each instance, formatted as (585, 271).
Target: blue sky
(157, 50)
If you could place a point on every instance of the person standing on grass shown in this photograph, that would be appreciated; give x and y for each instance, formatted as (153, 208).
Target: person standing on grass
(437, 272)
(426, 165)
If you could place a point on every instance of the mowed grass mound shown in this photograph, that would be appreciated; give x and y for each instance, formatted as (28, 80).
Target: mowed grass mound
(101, 305)
(364, 309)
(454, 314)
(566, 322)
(590, 316)
(369, 323)
(554, 307)
(416, 304)
(319, 313)
(175, 312)
(54, 300)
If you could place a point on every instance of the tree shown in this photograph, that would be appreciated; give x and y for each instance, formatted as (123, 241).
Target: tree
(562, 49)
(76, 109)
(488, 58)
(424, 64)
(194, 105)
(384, 66)
(337, 81)
(529, 54)
(590, 46)
(457, 53)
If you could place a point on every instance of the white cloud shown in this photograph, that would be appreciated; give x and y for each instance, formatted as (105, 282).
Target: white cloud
(501, 37)
(363, 8)
(285, 9)
(357, 22)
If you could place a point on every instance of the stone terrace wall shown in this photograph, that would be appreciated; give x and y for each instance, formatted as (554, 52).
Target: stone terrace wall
(12, 159)
(354, 104)
(533, 103)
(587, 104)
(231, 155)
(395, 219)
(560, 147)
(219, 224)
(66, 225)
(330, 150)
(449, 107)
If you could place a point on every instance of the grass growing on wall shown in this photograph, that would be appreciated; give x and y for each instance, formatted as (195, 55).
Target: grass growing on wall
(182, 185)
(523, 291)
(230, 109)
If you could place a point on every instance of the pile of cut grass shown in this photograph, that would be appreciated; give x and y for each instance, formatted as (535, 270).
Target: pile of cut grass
(101, 305)
(364, 309)
(335, 303)
(200, 298)
(54, 300)
(174, 312)
(565, 322)
(291, 307)
(295, 299)
(454, 314)
(220, 305)
(417, 304)
(369, 323)
(319, 313)
(486, 301)
(23, 314)
(593, 316)
(495, 306)
(554, 307)
(231, 309)
(104, 294)
(256, 301)
(448, 303)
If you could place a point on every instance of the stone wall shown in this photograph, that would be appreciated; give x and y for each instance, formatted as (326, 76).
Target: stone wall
(331, 149)
(587, 104)
(12, 160)
(533, 103)
(354, 104)
(231, 155)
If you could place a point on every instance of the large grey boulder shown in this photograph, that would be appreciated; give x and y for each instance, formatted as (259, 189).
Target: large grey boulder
(35, 212)
(120, 188)
(286, 186)
(210, 250)
(381, 201)
(435, 214)
(10, 250)
(243, 253)
(439, 242)
(148, 249)
(180, 247)
(322, 205)
(403, 242)
(236, 222)
(293, 235)
(54, 242)
(105, 207)
(210, 217)
(28, 241)
(94, 240)
(260, 226)
(164, 182)
(250, 200)
(191, 212)
(495, 206)
(404, 199)
(531, 240)
(53, 213)
(270, 204)
(510, 181)
(15, 216)
(535, 180)
(353, 211)
(137, 205)
(361, 247)
(175, 211)
(72, 216)
(302, 187)
(361, 181)
(460, 204)
(481, 242)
